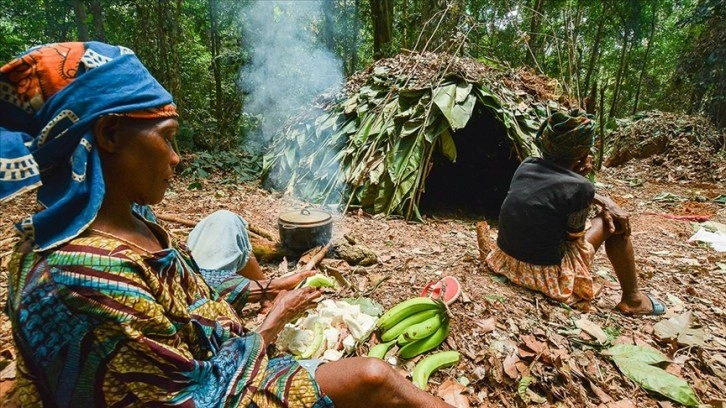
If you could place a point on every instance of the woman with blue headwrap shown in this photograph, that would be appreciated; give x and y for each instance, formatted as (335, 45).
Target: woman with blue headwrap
(107, 308)
(544, 242)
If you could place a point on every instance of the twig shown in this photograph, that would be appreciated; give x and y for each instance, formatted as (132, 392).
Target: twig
(317, 258)
(371, 290)
(177, 219)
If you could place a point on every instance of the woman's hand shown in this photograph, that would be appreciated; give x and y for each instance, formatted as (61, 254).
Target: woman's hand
(288, 306)
(269, 289)
(617, 219)
(291, 281)
(584, 166)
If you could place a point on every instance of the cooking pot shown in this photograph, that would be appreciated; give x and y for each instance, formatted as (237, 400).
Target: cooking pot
(304, 229)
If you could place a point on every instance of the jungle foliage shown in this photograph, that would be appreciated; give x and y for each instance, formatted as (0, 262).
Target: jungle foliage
(626, 56)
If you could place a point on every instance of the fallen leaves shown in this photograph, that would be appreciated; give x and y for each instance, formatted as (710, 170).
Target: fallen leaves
(487, 325)
(592, 329)
(453, 393)
(681, 329)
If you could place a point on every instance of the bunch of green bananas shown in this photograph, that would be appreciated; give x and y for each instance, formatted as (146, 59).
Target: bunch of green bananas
(417, 325)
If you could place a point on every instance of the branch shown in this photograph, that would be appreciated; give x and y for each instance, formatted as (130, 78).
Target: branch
(316, 258)
(183, 221)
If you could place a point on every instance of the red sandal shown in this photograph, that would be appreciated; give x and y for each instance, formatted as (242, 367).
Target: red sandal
(448, 289)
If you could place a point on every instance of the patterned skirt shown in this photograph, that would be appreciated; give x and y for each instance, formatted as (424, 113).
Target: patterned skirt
(569, 282)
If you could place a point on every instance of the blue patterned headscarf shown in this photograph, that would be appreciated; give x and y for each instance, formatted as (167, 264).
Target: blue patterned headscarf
(50, 97)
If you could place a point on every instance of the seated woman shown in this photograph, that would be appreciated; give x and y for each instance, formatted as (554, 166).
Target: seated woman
(544, 243)
(107, 309)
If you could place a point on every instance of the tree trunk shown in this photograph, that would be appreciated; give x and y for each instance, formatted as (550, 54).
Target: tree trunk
(97, 13)
(382, 21)
(621, 71)
(595, 55)
(404, 24)
(329, 24)
(576, 50)
(354, 48)
(535, 42)
(79, 11)
(601, 138)
(645, 60)
(214, 49)
(163, 50)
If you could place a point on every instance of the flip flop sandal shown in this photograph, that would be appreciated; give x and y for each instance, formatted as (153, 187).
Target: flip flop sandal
(658, 308)
(448, 289)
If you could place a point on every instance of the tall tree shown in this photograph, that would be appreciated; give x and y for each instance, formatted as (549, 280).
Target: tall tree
(215, 45)
(99, 32)
(382, 20)
(595, 53)
(644, 64)
(354, 40)
(79, 11)
(536, 42)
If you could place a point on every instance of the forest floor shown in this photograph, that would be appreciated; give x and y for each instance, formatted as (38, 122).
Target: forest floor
(506, 333)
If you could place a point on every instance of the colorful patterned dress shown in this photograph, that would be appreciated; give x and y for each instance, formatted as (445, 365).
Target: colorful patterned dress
(96, 323)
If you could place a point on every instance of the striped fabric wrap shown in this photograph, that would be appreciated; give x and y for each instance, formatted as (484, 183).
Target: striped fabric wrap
(98, 324)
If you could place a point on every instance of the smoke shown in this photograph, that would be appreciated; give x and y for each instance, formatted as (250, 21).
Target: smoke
(288, 66)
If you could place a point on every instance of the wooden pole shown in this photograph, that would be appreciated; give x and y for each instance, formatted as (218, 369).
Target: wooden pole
(183, 221)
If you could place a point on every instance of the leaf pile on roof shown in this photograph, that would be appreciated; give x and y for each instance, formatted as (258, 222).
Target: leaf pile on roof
(371, 144)
(671, 147)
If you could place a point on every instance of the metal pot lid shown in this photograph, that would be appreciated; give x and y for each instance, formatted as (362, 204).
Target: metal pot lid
(305, 217)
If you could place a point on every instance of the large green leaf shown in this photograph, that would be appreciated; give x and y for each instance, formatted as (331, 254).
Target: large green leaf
(436, 124)
(411, 126)
(377, 170)
(350, 105)
(407, 98)
(384, 191)
(403, 166)
(448, 147)
(647, 355)
(638, 364)
(404, 157)
(457, 113)
(371, 125)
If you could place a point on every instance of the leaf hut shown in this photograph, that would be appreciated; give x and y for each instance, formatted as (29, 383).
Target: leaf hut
(414, 132)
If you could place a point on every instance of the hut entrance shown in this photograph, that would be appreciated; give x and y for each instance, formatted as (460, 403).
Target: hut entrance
(478, 182)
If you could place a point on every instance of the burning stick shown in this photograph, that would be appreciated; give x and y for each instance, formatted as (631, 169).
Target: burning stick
(316, 258)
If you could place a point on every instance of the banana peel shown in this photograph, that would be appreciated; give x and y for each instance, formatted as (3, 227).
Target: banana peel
(319, 280)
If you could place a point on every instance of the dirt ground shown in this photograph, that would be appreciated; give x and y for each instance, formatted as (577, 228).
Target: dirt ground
(505, 332)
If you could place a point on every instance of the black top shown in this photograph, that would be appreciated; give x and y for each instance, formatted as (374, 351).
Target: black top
(544, 203)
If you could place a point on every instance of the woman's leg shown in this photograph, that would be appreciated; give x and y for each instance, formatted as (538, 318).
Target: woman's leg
(370, 382)
(619, 249)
